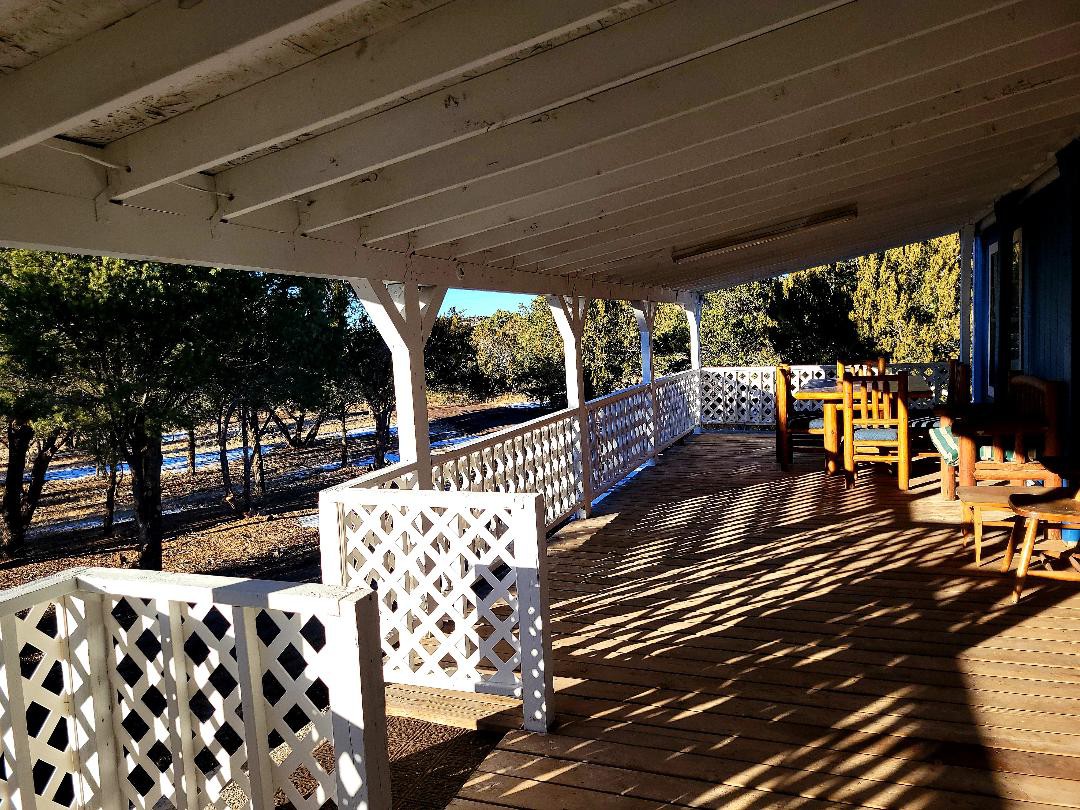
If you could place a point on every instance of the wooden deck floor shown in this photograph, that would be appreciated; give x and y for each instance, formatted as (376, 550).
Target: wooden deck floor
(730, 636)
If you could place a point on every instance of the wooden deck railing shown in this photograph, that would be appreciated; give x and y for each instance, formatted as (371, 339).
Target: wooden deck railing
(123, 689)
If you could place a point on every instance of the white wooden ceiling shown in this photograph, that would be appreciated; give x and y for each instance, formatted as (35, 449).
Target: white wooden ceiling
(568, 145)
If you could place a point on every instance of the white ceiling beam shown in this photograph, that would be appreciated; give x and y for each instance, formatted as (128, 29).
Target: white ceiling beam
(162, 46)
(745, 86)
(635, 47)
(752, 190)
(414, 57)
(881, 186)
(42, 220)
(853, 127)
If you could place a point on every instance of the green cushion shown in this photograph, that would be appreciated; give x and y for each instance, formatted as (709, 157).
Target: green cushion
(924, 422)
(945, 443)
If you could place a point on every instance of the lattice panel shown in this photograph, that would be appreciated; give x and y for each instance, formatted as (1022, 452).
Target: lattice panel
(142, 686)
(42, 654)
(620, 435)
(542, 458)
(677, 400)
(214, 701)
(935, 375)
(448, 590)
(739, 396)
(295, 662)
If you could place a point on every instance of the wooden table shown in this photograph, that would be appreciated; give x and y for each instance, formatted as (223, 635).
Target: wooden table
(830, 393)
(1056, 507)
(976, 424)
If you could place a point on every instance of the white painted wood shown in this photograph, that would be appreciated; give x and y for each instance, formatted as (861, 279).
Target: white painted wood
(178, 696)
(249, 664)
(44, 220)
(140, 673)
(692, 308)
(358, 706)
(789, 71)
(743, 136)
(537, 664)
(570, 313)
(639, 46)
(645, 315)
(967, 235)
(404, 313)
(406, 60)
(20, 785)
(92, 702)
(331, 540)
(160, 46)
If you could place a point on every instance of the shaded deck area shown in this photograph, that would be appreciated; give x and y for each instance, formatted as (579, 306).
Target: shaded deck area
(727, 635)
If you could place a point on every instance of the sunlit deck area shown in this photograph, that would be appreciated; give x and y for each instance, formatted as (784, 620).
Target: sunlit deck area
(728, 635)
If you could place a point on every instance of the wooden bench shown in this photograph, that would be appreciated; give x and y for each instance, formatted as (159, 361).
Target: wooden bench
(975, 501)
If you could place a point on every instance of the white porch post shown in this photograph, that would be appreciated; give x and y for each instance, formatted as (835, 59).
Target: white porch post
(692, 307)
(569, 312)
(404, 314)
(645, 313)
(967, 237)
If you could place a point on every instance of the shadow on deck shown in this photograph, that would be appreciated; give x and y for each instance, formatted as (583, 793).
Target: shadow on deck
(729, 635)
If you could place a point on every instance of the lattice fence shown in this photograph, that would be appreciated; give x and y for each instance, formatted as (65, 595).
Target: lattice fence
(130, 690)
(539, 456)
(620, 435)
(678, 405)
(461, 582)
(738, 396)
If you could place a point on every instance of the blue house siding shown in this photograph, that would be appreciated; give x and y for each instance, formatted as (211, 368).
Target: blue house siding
(1050, 236)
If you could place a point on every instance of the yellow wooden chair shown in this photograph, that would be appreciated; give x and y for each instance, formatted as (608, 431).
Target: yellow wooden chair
(876, 426)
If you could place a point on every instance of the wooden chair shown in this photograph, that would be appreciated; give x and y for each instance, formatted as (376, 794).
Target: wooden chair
(876, 423)
(1004, 441)
(872, 367)
(792, 427)
(957, 400)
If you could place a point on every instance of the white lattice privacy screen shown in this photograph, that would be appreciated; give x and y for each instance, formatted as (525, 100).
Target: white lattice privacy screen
(124, 689)
(461, 583)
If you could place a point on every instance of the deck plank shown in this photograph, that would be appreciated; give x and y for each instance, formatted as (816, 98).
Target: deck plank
(727, 635)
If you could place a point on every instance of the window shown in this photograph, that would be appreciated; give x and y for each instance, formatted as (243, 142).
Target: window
(993, 344)
(1015, 322)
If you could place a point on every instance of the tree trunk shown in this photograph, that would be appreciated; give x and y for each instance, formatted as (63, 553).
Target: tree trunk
(20, 435)
(223, 454)
(144, 460)
(382, 435)
(344, 437)
(191, 451)
(313, 432)
(107, 522)
(245, 440)
(257, 431)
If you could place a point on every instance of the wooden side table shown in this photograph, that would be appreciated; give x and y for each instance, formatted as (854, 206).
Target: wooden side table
(1054, 508)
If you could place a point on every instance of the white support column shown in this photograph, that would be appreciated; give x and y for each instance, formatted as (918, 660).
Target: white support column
(692, 308)
(404, 313)
(645, 313)
(967, 237)
(569, 312)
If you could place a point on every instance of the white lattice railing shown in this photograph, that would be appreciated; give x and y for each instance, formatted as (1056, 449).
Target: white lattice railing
(123, 689)
(620, 435)
(461, 583)
(746, 396)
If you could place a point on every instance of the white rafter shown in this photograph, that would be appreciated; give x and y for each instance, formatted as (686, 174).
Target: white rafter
(163, 45)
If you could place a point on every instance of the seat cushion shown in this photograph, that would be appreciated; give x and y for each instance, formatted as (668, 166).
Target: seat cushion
(807, 422)
(986, 453)
(876, 435)
(944, 441)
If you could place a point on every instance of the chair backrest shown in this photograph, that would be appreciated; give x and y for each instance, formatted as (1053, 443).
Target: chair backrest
(784, 395)
(1038, 400)
(876, 401)
(874, 366)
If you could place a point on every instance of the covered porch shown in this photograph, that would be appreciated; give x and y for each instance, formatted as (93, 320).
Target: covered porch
(728, 635)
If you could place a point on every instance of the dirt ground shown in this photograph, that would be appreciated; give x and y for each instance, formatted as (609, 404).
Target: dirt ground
(278, 539)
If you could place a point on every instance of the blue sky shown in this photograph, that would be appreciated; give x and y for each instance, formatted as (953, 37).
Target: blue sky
(473, 302)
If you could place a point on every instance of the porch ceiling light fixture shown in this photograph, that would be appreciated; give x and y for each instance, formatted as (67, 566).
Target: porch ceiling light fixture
(762, 236)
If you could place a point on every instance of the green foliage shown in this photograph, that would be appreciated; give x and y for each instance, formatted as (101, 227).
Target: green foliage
(906, 300)
(522, 352)
(808, 316)
(734, 326)
(450, 358)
